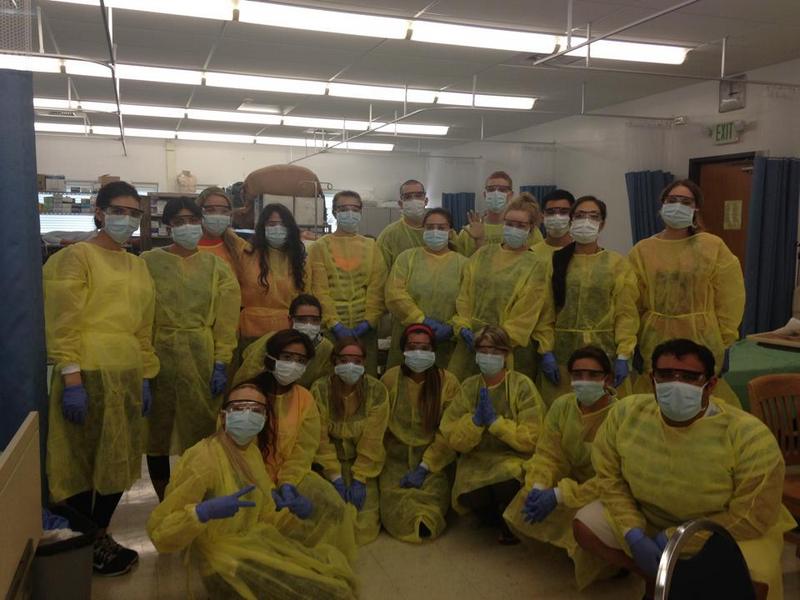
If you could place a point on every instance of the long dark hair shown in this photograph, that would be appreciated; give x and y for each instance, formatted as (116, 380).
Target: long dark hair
(431, 393)
(562, 258)
(266, 382)
(697, 192)
(293, 248)
(337, 385)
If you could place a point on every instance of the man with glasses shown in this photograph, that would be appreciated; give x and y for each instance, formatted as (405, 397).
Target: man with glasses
(556, 207)
(406, 232)
(488, 228)
(680, 454)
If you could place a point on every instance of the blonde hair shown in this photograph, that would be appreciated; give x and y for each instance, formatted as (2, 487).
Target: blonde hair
(526, 202)
(229, 237)
(494, 334)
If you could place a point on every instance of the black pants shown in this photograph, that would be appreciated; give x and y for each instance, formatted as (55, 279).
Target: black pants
(100, 511)
(158, 467)
(490, 502)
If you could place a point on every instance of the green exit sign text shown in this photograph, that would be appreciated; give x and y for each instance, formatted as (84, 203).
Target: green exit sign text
(725, 133)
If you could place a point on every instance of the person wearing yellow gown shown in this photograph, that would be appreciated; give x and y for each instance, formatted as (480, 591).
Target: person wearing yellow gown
(197, 311)
(494, 425)
(559, 479)
(218, 236)
(272, 271)
(354, 412)
(289, 444)
(691, 285)
(415, 484)
(498, 191)
(98, 309)
(219, 508)
(305, 316)
(681, 454)
(423, 285)
(556, 207)
(592, 295)
(504, 285)
(406, 232)
(348, 277)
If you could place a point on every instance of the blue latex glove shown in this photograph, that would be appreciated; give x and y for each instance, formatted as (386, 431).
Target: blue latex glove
(549, 367)
(357, 494)
(219, 379)
(433, 324)
(361, 329)
(340, 331)
(52, 521)
(415, 478)
(646, 552)
(469, 338)
(480, 416)
(147, 398)
(340, 487)
(288, 497)
(301, 507)
(726, 362)
(662, 540)
(489, 414)
(75, 404)
(284, 496)
(224, 506)
(541, 506)
(620, 371)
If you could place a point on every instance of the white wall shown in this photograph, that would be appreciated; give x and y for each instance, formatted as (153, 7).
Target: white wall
(377, 176)
(592, 154)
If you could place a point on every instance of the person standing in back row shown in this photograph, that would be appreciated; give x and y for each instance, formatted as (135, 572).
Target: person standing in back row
(488, 229)
(405, 233)
(556, 206)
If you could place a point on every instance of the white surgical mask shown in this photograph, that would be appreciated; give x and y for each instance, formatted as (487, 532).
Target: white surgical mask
(588, 392)
(677, 215)
(350, 373)
(490, 364)
(187, 236)
(276, 235)
(216, 224)
(309, 329)
(556, 225)
(584, 231)
(419, 360)
(435, 239)
(348, 220)
(288, 371)
(515, 238)
(244, 425)
(414, 209)
(496, 201)
(120, 227)
(679, 401)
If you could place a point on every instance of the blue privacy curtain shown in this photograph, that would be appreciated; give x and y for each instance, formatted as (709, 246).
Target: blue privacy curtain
(644, 189)
(769, 273)
(538, 191)
(459, 204)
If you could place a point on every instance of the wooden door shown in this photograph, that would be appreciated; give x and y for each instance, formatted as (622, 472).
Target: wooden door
(726, 188)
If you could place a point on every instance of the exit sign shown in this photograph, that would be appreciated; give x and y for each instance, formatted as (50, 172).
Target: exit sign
(725, 133)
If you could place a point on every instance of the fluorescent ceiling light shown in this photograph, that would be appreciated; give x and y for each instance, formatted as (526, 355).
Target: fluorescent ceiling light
(207, 9)
(89, 69)
(332, 21)
(161, 134)
(379, 92)
(60, 128)
(234, 117)
(39, 64)
(630, 51)
(266, 84)
(304, 143)
(158, 74)
(483, 37)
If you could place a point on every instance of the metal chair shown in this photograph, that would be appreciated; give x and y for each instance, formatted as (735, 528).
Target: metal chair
(669, 560)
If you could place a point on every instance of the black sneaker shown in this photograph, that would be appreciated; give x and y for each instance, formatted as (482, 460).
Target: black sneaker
(111, 559)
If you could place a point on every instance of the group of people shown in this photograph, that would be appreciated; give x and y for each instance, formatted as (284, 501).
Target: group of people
(507, 390)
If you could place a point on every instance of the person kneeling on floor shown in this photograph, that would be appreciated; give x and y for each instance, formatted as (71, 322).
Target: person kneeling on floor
(219, 505)
(559, 479)
(681, 454)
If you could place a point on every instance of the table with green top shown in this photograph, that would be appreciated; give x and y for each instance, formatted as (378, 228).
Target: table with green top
(749, 359)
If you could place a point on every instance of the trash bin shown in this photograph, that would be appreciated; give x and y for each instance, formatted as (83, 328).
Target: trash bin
(63, 570)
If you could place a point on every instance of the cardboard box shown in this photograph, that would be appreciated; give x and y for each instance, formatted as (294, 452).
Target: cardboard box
(104, 179)
(55, 183)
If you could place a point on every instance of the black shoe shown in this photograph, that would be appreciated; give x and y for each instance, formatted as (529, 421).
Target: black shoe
(111, 559)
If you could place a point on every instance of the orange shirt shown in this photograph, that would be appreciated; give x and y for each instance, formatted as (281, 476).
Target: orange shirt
(218, 247)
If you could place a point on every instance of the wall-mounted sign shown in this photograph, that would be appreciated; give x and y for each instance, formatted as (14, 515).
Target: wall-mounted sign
(732, 219)
(725, 133)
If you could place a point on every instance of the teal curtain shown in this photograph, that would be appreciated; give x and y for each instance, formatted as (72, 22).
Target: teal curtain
(769, 273)
(644, 189)
(459, 204)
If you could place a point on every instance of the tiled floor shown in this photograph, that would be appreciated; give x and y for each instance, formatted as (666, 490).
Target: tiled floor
(465, 564)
